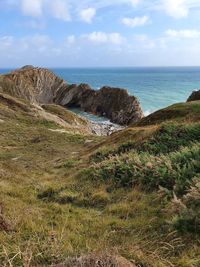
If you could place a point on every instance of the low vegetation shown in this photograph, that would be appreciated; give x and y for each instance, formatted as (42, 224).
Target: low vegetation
(65, 114)
(65, 195)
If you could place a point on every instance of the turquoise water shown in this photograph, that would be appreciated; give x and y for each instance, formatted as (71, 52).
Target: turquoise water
(89, 116)
(155, 87)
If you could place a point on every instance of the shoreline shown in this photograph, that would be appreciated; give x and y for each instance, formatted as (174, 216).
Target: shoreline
(105, 128)
(99, 125)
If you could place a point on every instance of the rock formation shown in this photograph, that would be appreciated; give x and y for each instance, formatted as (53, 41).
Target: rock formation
(194, 96)
(36, 85)
(113, 103)
(41, 86)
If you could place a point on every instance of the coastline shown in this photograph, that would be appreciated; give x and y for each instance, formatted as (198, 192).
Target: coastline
(156, 87)
(99, 125)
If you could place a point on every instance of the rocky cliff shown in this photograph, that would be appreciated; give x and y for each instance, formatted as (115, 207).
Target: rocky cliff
(194, 96)
(113, 103)
(37, 85)
(41, 86)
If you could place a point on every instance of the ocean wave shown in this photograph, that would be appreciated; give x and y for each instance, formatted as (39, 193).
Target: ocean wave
(147, 113)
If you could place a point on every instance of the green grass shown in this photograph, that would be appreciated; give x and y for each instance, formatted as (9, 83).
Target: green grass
(168, 159)
(182, 112)
(7, 155)
(174, 170)
(168, 138)
(65, 114)
(61, 201)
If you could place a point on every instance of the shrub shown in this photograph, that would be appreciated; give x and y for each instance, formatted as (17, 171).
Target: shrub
(188, 209)
(173, 171)
(100, 199)
(49, 194)
(169, 138)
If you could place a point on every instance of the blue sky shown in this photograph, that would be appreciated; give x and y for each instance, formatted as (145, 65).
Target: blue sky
(86, 33)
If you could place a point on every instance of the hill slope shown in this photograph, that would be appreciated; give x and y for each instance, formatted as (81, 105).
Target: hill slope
(65, 192)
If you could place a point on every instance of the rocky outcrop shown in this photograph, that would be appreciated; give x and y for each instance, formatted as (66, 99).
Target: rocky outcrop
(194, 96)
(36, 85)
(104, 128)
(41, 86)
(113, 103)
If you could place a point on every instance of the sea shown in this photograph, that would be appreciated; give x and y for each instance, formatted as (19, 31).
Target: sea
(155, 87)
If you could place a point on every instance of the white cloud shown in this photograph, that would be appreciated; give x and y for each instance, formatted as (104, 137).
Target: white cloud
(63, 8)
(102, 37)
(60, 10)
(87, 14)
(115, 38)
(104, 3)
(134, 3)
(135, 22)
(141, 37)
(32, 7)
(144, 42)
(176, 8)
(18, 47)
(40, 40)
(71, 39)
(183, 33)
(97, 37)
(35, 24)
(37, 8)
(6, 42)
(112, 49)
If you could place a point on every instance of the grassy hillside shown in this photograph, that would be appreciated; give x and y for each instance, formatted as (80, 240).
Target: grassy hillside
(65, 192)
(184, 112)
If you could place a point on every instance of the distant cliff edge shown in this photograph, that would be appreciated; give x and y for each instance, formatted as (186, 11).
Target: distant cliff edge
(194, 96)
(41, 86)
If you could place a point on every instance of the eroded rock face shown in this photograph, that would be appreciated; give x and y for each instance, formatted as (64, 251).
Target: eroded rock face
(36, 85)
(41, 86)
(113, 103)
(194, 96)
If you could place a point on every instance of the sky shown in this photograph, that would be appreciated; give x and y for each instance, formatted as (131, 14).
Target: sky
(99, 33)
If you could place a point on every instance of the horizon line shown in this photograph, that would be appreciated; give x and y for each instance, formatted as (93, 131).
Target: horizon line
(103, 67)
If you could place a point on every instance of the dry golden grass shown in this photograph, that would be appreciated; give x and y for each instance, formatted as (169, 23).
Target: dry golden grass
(55, 213)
